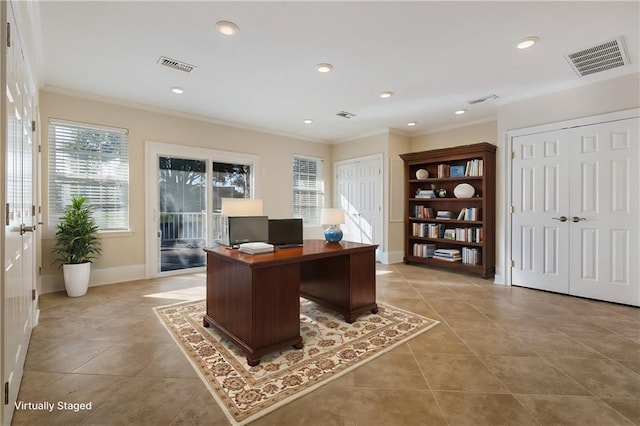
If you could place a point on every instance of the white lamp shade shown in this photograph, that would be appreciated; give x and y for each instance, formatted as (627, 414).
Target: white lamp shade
(331, 216)
(242, 207)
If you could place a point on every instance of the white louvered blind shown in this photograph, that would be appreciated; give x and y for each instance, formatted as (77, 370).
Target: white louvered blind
(93, 162)
(308, 189)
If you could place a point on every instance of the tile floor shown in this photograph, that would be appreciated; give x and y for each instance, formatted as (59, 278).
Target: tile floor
(500, 356)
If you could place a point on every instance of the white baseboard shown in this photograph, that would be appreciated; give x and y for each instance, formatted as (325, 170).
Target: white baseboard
(499, 277)
(392, 257)
(53, 283)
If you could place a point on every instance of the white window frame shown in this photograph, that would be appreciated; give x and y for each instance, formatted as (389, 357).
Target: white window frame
(318, 192)
(92, 178)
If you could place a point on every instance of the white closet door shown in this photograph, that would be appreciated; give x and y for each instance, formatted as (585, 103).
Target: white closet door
(540, 197)
(359, 193)
(604, 253)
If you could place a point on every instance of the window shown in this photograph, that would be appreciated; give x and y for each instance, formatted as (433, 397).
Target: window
(308, 189)
(93, 162)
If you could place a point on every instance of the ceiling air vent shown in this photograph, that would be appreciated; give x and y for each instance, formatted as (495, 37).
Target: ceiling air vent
(345, 114)
(175, 64)
(602, 57)
(484, 99)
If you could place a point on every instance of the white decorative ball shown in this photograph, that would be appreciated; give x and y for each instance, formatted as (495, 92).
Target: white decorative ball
(464, 190)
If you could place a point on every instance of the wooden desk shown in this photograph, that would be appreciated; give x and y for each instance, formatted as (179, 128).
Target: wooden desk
(254, 300)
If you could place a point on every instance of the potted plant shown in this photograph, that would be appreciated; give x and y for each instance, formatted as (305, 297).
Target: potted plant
(76, 245)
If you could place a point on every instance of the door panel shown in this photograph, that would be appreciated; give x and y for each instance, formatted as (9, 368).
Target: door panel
(540, 194)
(19, 247)
(606, 203)
(359, 188)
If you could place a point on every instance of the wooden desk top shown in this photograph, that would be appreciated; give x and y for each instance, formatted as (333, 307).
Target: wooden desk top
(311, 249)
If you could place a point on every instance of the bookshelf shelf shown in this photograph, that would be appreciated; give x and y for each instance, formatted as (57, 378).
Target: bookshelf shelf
(477, 159)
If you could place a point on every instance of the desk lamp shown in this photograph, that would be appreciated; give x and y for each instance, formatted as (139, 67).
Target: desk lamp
(333, 218)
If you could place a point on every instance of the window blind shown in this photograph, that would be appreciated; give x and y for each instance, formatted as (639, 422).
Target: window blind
(308, 189)
(93, 162)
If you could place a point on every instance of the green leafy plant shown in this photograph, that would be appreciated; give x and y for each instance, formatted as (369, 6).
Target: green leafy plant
(76, 240)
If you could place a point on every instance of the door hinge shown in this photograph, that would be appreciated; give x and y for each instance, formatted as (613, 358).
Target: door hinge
(33, 125)
(511, 209)
(39, 270)
(6, 393)
(39, 149)
(8, 34)
(33, 210)
(513, 155)
(513, 263)
(6, 212)
(33, 294)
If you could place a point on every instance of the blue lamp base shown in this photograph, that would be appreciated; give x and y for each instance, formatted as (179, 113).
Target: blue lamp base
(333, 234)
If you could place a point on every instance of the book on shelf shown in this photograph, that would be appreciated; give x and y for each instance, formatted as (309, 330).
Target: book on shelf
(448, 259)
(425, 193)
(443, 170)
(423, 250)
(443, 214)
(474, 167)
(469, 213)
(449, 234)
(422, 212)
(449, 253)
(471, 256)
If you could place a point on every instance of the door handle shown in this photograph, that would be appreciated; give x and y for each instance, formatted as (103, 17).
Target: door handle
(561, 218)
(24, 228)
(577, 219)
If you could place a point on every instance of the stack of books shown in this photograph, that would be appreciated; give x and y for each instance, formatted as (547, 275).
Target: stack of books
(255, 248)
(450, 255)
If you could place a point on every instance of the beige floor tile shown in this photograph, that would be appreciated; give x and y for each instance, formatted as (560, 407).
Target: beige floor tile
(483, 409)
(629, 408)
(493, 342)
(125, 359)
(440, 339)
(571, 410)
(171, 363)
(458, 373)
(62, 355)
(602, 377)
(146, 401)
(393, 370)
(532, 375)
(395, 407)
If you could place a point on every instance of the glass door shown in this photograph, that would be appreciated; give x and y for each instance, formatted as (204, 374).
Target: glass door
(182, 207)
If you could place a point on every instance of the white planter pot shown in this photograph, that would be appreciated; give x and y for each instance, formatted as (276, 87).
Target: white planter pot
(76, 278)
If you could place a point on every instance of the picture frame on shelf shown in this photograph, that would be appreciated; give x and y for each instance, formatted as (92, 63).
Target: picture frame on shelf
(456, 171)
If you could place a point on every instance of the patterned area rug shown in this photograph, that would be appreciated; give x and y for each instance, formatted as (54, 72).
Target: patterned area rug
(332, 347)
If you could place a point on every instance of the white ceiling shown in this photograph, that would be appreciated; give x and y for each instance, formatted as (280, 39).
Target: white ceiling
(435, 57)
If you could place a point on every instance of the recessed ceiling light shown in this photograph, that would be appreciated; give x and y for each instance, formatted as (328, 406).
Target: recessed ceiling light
(178, 90)
(527, 42)
(324, 67)
(385, 95)
(227, 27)
(411, 123)
(307, 121)
(461, 111)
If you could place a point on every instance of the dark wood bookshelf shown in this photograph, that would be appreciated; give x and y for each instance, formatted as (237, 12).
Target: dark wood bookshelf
(484, 200)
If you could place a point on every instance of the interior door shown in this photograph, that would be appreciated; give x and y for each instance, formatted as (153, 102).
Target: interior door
(605, 215)
(359, 184)
(19, 244)
(540, 219)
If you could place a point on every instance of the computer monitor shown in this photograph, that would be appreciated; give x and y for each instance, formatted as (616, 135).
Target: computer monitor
(248, 229)
(285, 232)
